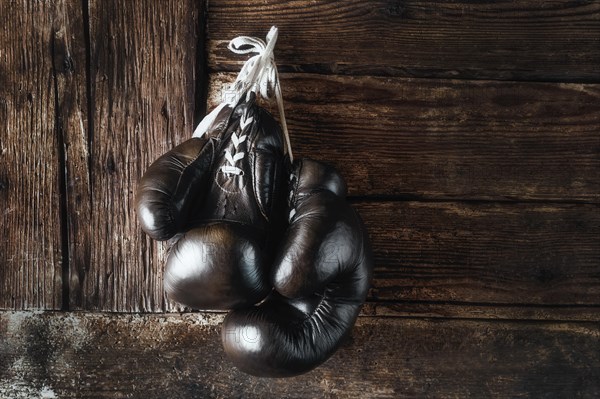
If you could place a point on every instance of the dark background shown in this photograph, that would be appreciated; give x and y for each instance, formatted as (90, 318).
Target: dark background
(468, 132)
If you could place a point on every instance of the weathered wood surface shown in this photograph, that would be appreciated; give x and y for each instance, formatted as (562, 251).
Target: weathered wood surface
(142, 78)
(481, 311)
(180, 356)
(73, 98)
(481, 196)
(439, 139)
(31, 159)
(499, 253)
(521, 255)
(474, 140)
(508, 40)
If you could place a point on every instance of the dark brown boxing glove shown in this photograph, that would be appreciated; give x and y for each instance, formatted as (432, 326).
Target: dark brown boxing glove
(321, 276)
(217, 192)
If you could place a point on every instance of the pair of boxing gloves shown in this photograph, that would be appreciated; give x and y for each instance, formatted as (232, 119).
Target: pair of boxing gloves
(274, 242)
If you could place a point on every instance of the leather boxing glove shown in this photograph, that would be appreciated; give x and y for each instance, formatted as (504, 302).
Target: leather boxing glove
(217, 193)
(321, 276)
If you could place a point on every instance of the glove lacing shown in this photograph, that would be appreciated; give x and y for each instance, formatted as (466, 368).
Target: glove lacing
(231, 169)
(258, 75)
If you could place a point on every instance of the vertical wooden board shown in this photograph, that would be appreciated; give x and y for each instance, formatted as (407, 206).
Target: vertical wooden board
(30, 161)
(142, 67)
(70, 63)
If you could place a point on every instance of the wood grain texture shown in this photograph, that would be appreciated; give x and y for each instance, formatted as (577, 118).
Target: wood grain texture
(76, 355)
(481, 196)
(485, 252)
(508, 40)
(483, 260)
(441, 139)
(70, 65)
(30, 160)
(142, 78)
(481, 311)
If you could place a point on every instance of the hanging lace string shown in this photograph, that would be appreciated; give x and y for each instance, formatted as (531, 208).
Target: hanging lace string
(258, 75)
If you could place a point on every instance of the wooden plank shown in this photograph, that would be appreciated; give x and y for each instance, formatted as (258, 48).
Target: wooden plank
(484, 260)
(478, 253)
(480, 311)
(180, 356)
(30, 159)
(441, 139)
(70, 60)
(507, 40)
(143, 71)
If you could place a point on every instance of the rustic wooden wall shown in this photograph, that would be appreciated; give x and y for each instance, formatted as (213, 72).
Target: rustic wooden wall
(469, 133)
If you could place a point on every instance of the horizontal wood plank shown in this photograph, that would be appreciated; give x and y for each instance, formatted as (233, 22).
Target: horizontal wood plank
(484, 260)
(77, 355)
(443, 139)
(479, 253)
(142, 78)
(30, 158)
(508, 40)
(480, 311)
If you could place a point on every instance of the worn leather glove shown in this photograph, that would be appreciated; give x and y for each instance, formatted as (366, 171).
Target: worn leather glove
(218, 194)
(321, 275)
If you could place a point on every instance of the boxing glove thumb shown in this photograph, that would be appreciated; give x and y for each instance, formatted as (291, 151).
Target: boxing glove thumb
(176, 181)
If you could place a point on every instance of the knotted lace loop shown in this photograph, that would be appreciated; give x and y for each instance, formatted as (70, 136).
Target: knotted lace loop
(258, 75)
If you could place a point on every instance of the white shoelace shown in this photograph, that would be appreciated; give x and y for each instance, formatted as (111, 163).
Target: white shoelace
(259, 75)
(231, 169)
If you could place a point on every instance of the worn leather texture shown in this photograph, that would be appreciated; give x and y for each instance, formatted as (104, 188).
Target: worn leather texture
(225, 224)
(321, 275)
